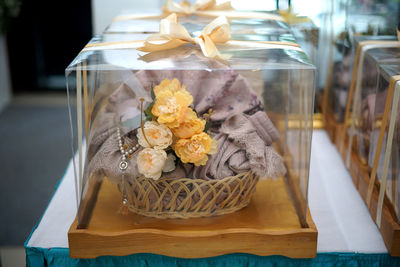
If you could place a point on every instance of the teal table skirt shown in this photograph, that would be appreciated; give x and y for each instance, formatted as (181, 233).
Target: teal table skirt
(60, 257)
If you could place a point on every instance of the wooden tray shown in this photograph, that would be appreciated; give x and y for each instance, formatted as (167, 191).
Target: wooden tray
(389, 229)
(269, 225)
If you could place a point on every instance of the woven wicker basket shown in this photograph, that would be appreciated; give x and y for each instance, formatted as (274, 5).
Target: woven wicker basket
(190, 198)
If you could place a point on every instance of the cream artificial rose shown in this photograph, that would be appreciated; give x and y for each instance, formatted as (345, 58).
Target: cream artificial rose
(158, 135)
(151, 162)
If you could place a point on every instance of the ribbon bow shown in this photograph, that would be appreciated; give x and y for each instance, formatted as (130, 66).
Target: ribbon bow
(200, 5)
(172, 35)
(204, 8)
(293, 18)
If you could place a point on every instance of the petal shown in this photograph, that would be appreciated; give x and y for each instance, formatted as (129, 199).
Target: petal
(175, 85)
(184, 98)
(214, 147)
(161, 87)
(141, 139)
(202, 161)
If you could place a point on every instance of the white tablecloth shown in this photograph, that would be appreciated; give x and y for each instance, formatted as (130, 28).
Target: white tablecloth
(342, 218)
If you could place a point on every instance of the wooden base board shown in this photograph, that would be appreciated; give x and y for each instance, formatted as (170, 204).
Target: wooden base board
(269, 225)
(390, 229)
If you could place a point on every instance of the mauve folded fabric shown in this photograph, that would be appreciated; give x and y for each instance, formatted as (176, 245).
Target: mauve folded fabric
(244, 144)
(224, 91)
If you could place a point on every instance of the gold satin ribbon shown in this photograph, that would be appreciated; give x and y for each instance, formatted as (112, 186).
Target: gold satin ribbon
(210, 8)
(200, 5)
(135, 44)
(293, 18)
(203, 8)
(172, 35)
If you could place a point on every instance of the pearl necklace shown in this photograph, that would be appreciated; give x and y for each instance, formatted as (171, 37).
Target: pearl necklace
(123, 165)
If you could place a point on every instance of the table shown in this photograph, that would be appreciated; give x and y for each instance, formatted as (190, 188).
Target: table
(346, 232)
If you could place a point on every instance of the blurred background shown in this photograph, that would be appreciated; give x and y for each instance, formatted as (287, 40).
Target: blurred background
(38, 40)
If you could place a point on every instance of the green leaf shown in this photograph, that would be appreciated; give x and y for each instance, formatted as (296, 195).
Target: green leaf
(153, 95)
(148, 113)
(207, 126)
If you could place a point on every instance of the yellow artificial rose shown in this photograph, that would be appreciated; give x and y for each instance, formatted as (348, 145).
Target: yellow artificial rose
(195, 149)
(170, 107)
(190, 125)
(167, 85)
(158, 135)
(151, 162)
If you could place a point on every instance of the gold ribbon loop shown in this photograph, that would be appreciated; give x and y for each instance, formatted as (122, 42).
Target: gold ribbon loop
(211, 5)
(203, 8)
(293, 18)
(200, 5)
(172, 35)
(172, 7)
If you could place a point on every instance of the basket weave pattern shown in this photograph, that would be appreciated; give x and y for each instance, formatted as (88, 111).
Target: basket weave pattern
(190, 198)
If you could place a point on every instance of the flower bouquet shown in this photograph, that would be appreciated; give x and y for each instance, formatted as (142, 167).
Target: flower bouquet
(171, 125)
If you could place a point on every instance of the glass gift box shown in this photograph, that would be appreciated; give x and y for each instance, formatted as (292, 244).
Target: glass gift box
(256, 23)
(375, 51)
(265, 26)
(373, 18)
(174, 143)
(373, 120)
(342, 70)
(307, 35)
(377, 179)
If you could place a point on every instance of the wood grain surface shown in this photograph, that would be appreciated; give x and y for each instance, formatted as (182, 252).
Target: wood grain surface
(269, 225)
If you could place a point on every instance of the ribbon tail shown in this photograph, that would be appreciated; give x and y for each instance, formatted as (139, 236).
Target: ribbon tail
(182, 52)
(223, 6)
(172, 7)
(203, 5)
(218, 30)
(153, 46)
(293, 18)
(209, 49)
